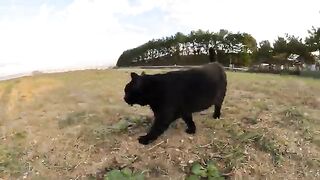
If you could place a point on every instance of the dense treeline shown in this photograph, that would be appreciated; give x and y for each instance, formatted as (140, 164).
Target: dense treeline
(240, 49)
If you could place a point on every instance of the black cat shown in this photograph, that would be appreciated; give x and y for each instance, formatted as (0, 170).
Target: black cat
(177, 94)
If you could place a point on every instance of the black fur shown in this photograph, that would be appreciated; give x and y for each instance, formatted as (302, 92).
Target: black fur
(176, 95)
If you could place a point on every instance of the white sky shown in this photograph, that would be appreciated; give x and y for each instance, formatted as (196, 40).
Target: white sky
(44, 34)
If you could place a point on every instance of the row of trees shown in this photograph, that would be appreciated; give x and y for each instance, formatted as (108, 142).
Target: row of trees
(237, 48)
(283, 47)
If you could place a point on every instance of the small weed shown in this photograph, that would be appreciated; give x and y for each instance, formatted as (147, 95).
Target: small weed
(72, 119)
(20, 135)
(234, 130)
(299, 122)
(129, 123)
(120, 126)
(270, 146)
(210, 171)
(9, 161)
(78, 117)
(138, 120)
(263, 143)
(101, 131)
(234, 157)
(250, 136)
(293, 114)
(261, 105)
(252, 120)
(124, 174)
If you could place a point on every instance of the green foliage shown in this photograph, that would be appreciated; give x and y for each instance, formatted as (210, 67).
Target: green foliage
(313, 41)
(296, 46)
(195, 43)
(249, 42)
(264, 51)
(237, 48)
(210, 171)
(193, 177)
(120, 125)
(246, 59)
(127, 122)
(280, 45)
(198, 170)
(213, 170)
(124, 174)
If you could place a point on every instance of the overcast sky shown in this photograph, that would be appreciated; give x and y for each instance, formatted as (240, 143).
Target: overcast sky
(44, 34)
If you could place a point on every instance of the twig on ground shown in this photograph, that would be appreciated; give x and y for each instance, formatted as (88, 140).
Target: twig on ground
(217, 156)
(206, 145)
(228, 174)
(155, 145)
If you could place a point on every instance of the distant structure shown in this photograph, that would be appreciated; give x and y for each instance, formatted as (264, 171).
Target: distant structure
(212, 55)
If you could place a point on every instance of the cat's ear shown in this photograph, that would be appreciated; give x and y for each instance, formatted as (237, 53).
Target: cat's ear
(134, 75)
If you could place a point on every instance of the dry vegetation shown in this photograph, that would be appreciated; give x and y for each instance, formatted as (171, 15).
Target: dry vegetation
(75, 125)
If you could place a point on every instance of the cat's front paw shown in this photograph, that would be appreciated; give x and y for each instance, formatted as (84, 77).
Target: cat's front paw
(144, 140)
(216, 115)
(191, 130)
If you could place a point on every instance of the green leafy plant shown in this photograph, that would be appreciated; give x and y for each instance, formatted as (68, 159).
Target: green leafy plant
(210, 171)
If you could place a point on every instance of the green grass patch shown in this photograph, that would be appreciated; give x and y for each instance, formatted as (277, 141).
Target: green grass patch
(127, 123)
(263, 143)
(72, 119)
(101, 131)
(208, 171)
(298, 121)
(9, 161)
(234, 157)
(123, 174)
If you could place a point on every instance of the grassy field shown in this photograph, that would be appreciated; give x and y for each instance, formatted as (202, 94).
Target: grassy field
(75, 125)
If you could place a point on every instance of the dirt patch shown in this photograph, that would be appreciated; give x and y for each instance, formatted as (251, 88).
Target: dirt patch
(75, 125)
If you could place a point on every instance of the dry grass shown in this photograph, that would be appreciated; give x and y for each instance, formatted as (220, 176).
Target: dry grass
(76, 125)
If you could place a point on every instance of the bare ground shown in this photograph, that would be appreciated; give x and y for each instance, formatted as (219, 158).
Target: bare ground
(75, 125)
